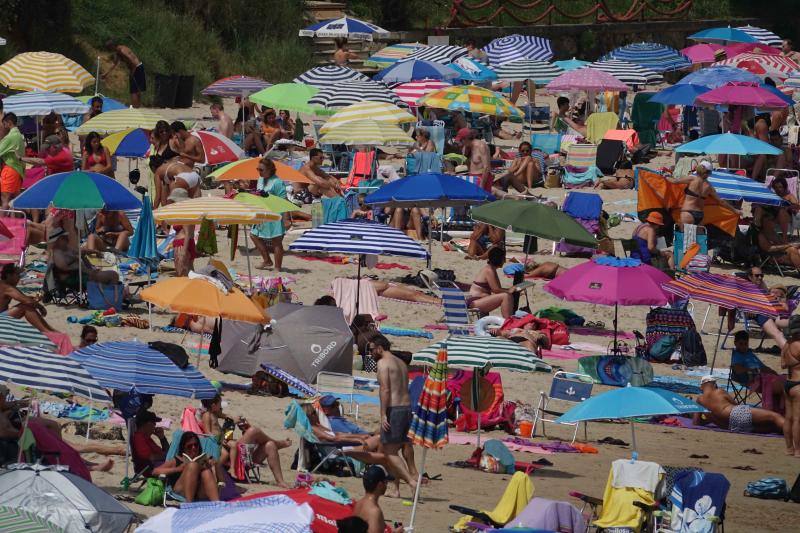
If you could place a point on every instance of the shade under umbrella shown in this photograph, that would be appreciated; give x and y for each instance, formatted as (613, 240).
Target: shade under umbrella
(653, 56)
(587, 79)
(762, 35)
(348, 93)
(37, 103)
(367, 132)
(728, 143)
(78, 190)
(533, 218)
(123, 119)
(733, 187)
(470, 99)
(133, 366)
(539, 72)
(44, 71)
(391, 54)
(415, 69)
(345, 27)
(627, 72)
(515, 47)
(443, 54)
(327, 75)
(714, 77)
(481, 352)
(233, 86)
(41, 369)
(18, 332)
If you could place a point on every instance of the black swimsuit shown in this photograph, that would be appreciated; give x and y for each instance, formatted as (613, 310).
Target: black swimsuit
(789, 384)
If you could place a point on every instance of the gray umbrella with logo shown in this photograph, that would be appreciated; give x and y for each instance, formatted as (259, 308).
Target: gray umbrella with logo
(303, 340)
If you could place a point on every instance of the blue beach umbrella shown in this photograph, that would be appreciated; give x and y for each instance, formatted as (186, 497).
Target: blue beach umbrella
(713, 77)
(734, 187)
(680, 94)
(728, 143)
(630, 402)
(471, 70)
(109, 104)
(430, 189)
(723, 35)
(570, 64)
(414, 69)
(78, 190)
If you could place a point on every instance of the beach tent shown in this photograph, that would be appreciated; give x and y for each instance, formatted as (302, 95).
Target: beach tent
(303, 341)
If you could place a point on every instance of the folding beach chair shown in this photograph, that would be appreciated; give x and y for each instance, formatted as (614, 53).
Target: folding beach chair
(580, 167)
(61, 293)
(598, 124)
(209, 446)
(567, 387)
(458, 317)
(311, 453)
(629, 137)
(739, 386)
(336, 383)
(515, 499)
(549, 143)
(582, 155)
(792, 178)
(363, 170)
(586, 208)
(436, 129)
(610, 154)
(12, 250)
(681, 512)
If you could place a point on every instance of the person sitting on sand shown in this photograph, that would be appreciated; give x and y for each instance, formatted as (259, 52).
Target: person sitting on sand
(147, 453)
(266, 448)
(727, 414)
(546, 269)
(27, 307)
(523, 174)
(112, 228)
(374, 479)
(190, 473)
(399, 292)
(486, 293)
(526, 336)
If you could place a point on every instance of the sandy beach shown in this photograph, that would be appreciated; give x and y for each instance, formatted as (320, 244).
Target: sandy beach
(720, 452)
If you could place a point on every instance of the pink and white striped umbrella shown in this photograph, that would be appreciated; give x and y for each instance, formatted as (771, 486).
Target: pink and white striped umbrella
(218, 148)
(414, 90)
(777, 67)
(586, 79)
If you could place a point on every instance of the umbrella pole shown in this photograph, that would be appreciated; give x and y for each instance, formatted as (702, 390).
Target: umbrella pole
(430, 237)
(24, 427)
(80, 274)
(199, 349)
(149, 305)
(128, 423)
(358, 283)
(716, 343)
(97, 78)
(616, 314)
(635, 454)
(417, 490)
(247, 254)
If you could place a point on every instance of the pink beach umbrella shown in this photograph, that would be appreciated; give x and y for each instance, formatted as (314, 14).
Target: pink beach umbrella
(703, 52)
(586, 79)
(611, 281)
(742, 93)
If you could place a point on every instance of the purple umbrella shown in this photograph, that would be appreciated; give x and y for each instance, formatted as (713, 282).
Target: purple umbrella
(586, 79)
(611, 281)
(742, 93)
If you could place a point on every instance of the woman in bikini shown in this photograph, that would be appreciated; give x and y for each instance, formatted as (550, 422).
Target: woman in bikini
(161, 139)
(170, 175)
(697, 190)
(96, 157)
(486, 293)
(790, 360)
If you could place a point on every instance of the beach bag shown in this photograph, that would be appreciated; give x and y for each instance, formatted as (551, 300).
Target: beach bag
(692, 349)
(153, 493)
(662, 349)
(768, 488)
(105, 295)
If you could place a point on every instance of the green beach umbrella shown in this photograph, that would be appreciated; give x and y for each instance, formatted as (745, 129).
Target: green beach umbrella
(15, 519)
(272, 203)
(291, 96)
(532, 218)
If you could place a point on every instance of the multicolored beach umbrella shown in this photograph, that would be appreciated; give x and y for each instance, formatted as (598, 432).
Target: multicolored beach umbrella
(78, 190)
(132, 142)
(44, 71)
(233, 86)
(367, 132)
(730, 292)
(628, 72)
(391, 54)
(415, 69)
(217, 148)
(472, 99)
(479, 352)
(777, 67)
(412, 91)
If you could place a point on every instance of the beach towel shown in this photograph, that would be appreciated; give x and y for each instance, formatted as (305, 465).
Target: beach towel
(598, 124)
(333, 209)
(344, 292)
(190, 422)
(618, 508)
(577, 177)
(515, 498)
(549, 515)
(61, 340)
(629, 137)
(295, 418)
(696, 498)
(55, 451)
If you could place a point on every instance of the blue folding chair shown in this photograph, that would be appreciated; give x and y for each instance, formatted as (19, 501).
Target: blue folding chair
(568, 387)
(549, 143)
(457, 315)
(677, 245)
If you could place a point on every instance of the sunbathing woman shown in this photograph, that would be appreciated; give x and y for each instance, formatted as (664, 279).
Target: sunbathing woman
(486, 293)
(192, 479)
(527, 337)
(399, 292)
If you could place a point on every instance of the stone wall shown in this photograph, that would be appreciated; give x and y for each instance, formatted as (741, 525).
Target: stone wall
(584, 41)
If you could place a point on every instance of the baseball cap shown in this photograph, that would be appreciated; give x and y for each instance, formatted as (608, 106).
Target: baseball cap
(655, 218)
(462, 134)
(51, 140)
(144, 417)
(375, 474)
(708, 379)
(707, 165)
(462, 169)
(328, 400)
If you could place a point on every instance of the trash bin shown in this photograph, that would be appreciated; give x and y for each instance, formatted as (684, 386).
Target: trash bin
(185, 92)
(166, 90)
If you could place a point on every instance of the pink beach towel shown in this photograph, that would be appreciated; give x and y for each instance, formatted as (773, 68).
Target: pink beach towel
(61, 340)
(55, 451)
(472, 440)
(344, 292)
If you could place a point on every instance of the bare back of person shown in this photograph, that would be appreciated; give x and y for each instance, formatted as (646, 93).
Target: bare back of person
(322, 184)
(396, 380)
(225, 125)
(127, 56)
(370, 512)
(719, 403)
(177, 174)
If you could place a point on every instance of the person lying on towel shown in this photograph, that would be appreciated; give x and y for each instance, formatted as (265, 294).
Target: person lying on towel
(727, 414)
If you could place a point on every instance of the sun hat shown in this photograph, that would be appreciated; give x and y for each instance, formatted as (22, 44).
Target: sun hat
(708, 379)
(462, 169)
(655, 218)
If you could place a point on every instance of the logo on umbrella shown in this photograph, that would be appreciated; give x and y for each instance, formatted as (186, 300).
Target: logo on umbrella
(595, 285)
(321, 353)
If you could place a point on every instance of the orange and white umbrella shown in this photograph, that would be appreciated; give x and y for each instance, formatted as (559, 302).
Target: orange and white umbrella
(44, 71)
(247, 169)
(217, 148)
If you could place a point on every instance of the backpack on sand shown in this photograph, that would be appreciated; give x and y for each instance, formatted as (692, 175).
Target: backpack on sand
(768, 488)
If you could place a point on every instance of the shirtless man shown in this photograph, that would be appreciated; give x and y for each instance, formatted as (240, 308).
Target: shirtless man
(189, 147)
(477, 151)
(225, 125)
(368, 509)
(395, 407)
(28, 308)
(170, 175)
(778, 120)
(137, 80)
(547, 270)
(725, 413)
(562, 121)
(522, 175)
(322, 183)
(65, 264)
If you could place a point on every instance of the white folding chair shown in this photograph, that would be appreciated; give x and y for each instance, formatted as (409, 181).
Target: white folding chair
(567, 387)
(336, 383)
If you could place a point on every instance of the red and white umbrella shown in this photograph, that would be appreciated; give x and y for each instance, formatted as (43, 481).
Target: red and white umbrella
(414, 90)
(217, 148)
(777, 67)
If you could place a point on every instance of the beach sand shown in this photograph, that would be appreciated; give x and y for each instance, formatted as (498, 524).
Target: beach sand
(719, 452)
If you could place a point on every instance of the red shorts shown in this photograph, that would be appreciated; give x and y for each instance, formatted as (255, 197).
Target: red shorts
(10, 180)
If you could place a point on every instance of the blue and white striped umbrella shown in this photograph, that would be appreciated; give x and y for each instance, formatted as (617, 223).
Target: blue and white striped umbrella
(514, 47)
(233, 86)
(328, 75)
(540, 72)
(734, 187)
(44, 370)
(348, 93)
(36, 103)
(440, 53)
(127, 366)
(415, 69)
(764, 36)
(353, 236)
(342, 27)
(654, 56)
(627, 72)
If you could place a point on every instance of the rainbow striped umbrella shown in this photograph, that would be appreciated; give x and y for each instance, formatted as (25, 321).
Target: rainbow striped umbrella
(472, 99)
(44, 71)
(729, 292)
(388, 56)
(429, 425)
(122, 119)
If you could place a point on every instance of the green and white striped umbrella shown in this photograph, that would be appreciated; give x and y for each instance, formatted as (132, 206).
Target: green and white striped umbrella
(22, 521)
(16, 332)
(480, 351)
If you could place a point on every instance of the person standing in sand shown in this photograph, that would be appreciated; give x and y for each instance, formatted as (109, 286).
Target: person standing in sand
(395, 407)
(479, 156)
(12, 148)
(137, 80)
(790, 360)
(225, 125)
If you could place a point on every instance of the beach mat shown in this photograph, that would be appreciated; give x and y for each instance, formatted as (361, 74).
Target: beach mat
(581, 330)
(616, 371)
(472, 440)
(686, 423)
(561, 354)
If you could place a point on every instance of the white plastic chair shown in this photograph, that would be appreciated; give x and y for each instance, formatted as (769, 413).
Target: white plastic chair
(334, 382)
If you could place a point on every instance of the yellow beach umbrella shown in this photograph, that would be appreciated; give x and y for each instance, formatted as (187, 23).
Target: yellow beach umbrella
(44, 71)
(381, 112)
(367, 132)
(220, 210)
(119, 120)
(471, 99)
(200, 297)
